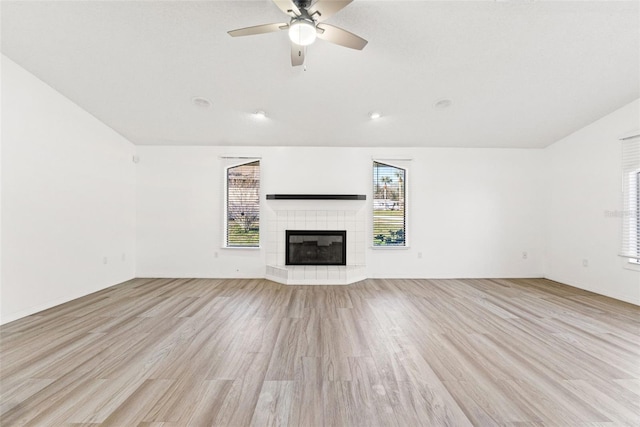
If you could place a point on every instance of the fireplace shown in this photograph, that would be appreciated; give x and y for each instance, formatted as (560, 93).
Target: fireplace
(313, 247)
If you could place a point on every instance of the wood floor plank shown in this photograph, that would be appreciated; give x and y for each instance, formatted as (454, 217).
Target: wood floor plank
(13, 396)
(42, 400)
(611, 406)
(136, 407)
(208, 405)
(631, 385)
(306, 408)
(274, 404)
(383, 352)
(179, 401)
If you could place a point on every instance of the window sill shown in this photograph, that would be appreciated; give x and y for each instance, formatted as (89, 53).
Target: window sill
(250, 248)
(393, 248)
(630, 265)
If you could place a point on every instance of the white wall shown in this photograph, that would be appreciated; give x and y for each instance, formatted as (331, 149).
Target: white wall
(473, 211)
(584, 181)
(68, 199)
(179, 217)
(473, 214)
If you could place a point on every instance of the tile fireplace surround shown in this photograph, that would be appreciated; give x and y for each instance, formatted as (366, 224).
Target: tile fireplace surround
(283, 215)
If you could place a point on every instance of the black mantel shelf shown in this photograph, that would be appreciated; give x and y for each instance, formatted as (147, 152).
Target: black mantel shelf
(316, 197)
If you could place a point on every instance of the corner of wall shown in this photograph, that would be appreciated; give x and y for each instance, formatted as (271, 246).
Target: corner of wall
(583, 182)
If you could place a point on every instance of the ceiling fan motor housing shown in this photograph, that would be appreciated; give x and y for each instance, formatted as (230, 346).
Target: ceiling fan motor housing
(302, 3)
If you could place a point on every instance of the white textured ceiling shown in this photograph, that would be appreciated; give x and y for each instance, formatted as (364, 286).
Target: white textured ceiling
(519, 73)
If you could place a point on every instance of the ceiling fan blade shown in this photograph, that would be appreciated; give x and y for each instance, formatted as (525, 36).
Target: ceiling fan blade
(286, 6)
(297, 54)
(339, 36)
(327, 8)
(258, 29)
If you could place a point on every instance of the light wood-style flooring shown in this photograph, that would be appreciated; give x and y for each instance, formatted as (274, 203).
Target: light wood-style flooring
(178, 352)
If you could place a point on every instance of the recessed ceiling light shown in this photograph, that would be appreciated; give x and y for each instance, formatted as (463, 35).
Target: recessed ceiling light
(375, 115)
(442, 104)
(201, 102)
(260, 114)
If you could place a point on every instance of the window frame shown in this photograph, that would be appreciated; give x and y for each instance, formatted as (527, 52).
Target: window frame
(635, 215)
(232, 163)
(630, 213)
(402, 164)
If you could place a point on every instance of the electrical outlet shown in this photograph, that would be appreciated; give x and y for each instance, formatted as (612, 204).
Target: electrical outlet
(104, 260)
(585, 262)
(124, 257)
(215, 254)
(419, 254)
(525, 255)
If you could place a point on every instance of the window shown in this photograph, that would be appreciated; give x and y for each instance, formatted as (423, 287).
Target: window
(243, 205)
(636, 223)
(631, 199)
(389, 202)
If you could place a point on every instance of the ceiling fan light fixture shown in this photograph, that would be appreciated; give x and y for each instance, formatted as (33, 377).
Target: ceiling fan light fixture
(302, 32)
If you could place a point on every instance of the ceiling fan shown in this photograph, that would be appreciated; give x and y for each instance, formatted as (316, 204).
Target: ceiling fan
(307, 23)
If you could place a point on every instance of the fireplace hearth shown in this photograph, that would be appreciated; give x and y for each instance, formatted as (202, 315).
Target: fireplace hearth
(316, 247)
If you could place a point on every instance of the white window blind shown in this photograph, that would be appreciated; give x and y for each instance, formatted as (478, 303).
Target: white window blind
(631, 197)
(243, 205)
(389, 203)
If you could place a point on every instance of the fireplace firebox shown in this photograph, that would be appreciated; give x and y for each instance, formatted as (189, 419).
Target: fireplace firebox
(316, 247)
